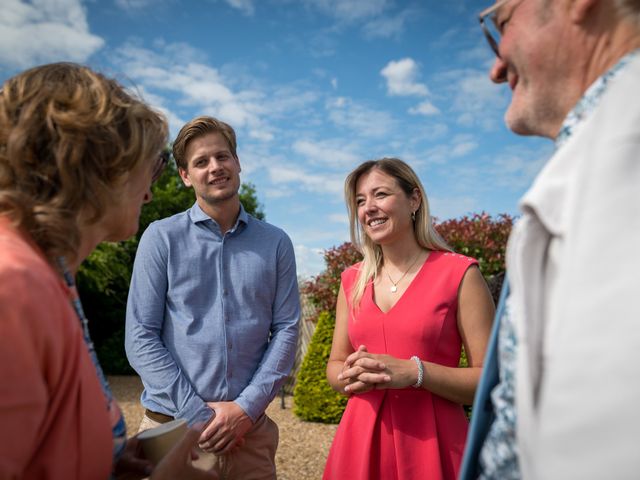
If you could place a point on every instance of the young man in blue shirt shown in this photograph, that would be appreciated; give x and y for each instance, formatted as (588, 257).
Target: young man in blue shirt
(213, 308)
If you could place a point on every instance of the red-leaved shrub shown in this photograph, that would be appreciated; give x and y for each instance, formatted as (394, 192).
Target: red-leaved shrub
(323, 289)
(481, 237)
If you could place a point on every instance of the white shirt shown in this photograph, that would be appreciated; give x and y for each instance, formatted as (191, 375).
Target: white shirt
(573, 266)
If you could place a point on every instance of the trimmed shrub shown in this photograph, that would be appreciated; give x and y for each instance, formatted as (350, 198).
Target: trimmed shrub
(314, 399)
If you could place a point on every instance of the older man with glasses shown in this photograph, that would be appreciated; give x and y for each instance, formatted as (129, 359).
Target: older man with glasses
(557, 394)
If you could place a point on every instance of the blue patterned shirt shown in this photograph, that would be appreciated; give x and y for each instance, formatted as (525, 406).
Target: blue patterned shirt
(499, 454)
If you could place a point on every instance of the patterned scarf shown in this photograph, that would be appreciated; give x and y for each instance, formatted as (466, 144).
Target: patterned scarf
(590, 99)
(118, 426)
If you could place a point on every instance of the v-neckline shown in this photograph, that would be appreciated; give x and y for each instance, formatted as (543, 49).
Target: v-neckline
(372, 294)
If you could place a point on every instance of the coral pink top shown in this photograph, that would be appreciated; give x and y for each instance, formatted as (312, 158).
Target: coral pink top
(406, 433)
(53, 418)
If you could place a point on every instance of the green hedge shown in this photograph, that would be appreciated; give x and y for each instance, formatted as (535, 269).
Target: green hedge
(314, 399)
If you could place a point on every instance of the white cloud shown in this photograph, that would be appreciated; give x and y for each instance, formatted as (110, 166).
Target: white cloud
(321, 235)
(160, 103)
(256, 112)
(438, 154)
(196, 84)
(179, 52)
(283, 100)
(459, 146)
(516, 168)
(465, 119)
(326, 183)
(43, 31)
(462, 149)
(133, 5)
(245, 6)
(475, 91)
(327, 153)
(309, 260)
(387, 26)
(262, 135)
(431, 132)
(401, 78)
(479, 54)
(350, 10)
(444, 208)
(339, 102)
(341, 218)
(424, 108)
(277, 193)
(476, 100)
(363, 120)
(510, 169)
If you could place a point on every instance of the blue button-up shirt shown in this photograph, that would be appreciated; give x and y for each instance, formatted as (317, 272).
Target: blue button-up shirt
(212, 316)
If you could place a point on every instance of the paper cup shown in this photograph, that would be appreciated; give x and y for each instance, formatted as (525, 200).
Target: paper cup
(156, 442)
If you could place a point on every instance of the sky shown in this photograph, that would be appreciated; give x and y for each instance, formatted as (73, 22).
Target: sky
(312, 87)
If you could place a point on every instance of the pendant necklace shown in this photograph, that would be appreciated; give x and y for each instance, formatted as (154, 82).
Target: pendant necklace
(394, 285)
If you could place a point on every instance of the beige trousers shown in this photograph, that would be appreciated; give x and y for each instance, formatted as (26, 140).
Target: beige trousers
(255, 460)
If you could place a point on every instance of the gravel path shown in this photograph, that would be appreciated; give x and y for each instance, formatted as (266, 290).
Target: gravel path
(303, 445)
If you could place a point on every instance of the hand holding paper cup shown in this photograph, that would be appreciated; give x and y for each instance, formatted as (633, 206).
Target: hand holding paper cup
(156, 442)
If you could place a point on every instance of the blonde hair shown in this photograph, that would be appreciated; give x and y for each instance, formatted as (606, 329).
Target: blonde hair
(198, 127)
(424, 232)
(68, 136)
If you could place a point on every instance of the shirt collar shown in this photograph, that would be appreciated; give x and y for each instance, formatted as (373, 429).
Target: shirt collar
(590, 99)
(197, 215)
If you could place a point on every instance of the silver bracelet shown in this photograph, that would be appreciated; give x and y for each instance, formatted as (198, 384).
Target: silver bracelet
(418, 383)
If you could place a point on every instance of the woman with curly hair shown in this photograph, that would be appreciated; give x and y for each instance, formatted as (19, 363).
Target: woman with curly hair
(78, 155)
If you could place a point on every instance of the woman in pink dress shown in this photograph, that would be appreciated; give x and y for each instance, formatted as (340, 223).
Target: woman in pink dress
(402, 315)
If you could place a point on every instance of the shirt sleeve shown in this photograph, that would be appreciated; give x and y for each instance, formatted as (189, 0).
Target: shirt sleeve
(162, 378)
(279, 356)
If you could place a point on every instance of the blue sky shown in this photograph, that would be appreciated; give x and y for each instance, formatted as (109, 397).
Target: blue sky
(312, 87)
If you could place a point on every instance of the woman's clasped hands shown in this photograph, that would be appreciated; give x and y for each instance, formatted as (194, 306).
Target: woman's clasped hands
(364, 371)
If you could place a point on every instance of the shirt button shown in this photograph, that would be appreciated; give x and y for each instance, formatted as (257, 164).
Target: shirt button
(225, 292)
(226, 318)
(230, 346)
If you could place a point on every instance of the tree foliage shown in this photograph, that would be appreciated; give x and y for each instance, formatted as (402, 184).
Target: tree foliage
(323, 289)
(249, 200)
(479, 236)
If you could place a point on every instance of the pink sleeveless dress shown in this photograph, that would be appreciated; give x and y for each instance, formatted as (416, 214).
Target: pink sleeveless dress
(405, 434)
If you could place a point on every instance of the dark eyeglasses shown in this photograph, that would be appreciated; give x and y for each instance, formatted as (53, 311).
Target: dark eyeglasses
(489, 27)
(161, 163)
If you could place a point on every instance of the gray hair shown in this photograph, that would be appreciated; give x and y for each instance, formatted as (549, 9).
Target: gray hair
(629, 10)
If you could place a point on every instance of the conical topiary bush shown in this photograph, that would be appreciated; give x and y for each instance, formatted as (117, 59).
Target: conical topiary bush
(314, 399)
